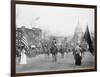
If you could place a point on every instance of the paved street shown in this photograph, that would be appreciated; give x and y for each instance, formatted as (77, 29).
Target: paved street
(44, 63)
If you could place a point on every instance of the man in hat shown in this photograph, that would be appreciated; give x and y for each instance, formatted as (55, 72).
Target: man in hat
(54, 50)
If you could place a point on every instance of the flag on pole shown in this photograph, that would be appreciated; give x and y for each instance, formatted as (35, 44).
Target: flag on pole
(87, 37)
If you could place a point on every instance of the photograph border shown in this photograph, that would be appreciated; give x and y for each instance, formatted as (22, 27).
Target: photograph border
(13, 36)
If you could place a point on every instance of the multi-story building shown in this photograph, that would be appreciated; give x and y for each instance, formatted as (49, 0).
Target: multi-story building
(28, 36)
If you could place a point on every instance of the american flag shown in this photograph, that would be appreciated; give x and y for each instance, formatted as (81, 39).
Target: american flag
(25, 42)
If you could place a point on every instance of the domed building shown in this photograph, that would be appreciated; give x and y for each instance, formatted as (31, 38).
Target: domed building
(78, 34)
(78, 38)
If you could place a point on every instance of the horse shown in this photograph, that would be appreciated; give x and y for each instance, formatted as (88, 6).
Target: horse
(54, 51)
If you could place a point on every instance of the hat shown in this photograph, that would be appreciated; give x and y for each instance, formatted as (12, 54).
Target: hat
(33, 46)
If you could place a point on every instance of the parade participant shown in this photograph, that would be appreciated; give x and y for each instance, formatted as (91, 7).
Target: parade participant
(19, 53)
(23, 56)
(46, 51)
(53, 50)
(78, 55)
(62, 51)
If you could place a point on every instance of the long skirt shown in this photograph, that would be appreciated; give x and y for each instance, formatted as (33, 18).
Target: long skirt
(78, 60)
(23, 59)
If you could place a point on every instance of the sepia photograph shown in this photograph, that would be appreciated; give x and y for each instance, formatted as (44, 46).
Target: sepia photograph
(54, 38)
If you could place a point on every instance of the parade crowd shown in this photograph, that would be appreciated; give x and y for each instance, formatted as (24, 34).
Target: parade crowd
(50, 49)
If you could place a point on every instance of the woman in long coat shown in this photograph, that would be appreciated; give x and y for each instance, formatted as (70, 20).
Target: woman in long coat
(78, 56)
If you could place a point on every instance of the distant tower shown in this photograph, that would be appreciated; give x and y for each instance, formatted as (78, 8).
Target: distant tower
(77, 34)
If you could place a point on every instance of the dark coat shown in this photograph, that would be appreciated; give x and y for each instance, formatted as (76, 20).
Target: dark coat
(78, 59)
(53, 50)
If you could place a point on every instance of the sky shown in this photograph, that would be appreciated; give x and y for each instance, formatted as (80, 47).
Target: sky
(60, 21)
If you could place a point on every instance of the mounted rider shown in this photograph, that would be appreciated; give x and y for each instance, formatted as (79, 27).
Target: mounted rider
(54, 50)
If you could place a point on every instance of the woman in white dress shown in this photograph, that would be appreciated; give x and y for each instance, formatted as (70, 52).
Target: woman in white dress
(23, 57)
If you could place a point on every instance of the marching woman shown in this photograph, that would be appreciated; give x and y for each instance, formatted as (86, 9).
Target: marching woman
(62, 51)
(23, 56)
(78, 55)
